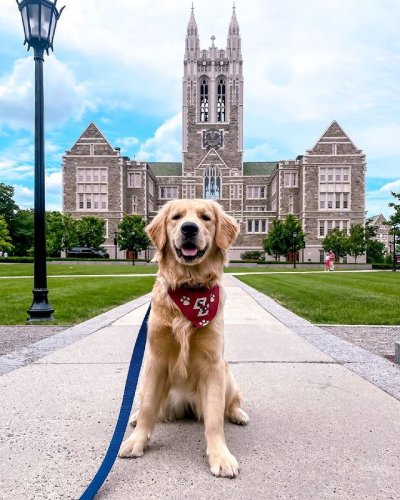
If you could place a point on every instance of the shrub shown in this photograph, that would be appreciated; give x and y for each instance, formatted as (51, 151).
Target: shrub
(252, 255)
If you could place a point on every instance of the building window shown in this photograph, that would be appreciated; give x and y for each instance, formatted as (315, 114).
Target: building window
(189, 191)
(236, 191)
(334, 174)
(92, 189)
(290, 204)
(291, 179)
(327, 225)
(333, 201)
(221, 100)
(255, 208)
(134, 180)
(256, 226)
(168, 192)
(151, 187)
(204, 103)
(212, 183)
(256, 192)
(134, 204)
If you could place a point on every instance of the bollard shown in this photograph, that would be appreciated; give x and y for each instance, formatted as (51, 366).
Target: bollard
(397, 352)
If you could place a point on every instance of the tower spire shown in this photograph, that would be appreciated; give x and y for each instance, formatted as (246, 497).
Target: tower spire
(234, 42)
(192, 37)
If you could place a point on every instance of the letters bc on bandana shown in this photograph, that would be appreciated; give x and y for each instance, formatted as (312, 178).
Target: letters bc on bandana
(199, 305)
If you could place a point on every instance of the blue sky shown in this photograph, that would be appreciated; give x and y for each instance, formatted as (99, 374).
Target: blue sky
(119, 64)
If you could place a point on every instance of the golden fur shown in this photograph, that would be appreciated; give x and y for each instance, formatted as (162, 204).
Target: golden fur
(184, 368)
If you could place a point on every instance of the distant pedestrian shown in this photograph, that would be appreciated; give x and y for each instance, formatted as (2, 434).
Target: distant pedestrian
(5, 255)
(1, 253)
(332, 258)
(327, 264)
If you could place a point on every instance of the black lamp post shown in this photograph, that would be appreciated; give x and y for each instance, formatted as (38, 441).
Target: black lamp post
(39, 19)
(294, 236)
(395, 228)
(133, 248)
(116, 244)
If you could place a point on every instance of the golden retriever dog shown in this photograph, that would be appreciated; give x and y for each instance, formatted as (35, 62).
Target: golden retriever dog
(184, 370)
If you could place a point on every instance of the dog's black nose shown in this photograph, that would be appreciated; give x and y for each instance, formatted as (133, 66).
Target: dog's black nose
(189, 229)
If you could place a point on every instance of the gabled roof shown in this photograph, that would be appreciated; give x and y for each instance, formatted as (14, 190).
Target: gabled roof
(259, 167)
(335, 131)
(92, 132)
(162, 169)
(378, 220)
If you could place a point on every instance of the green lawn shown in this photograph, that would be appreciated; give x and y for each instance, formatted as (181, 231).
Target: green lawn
(65, 269)
(342, 298)
(74, 299)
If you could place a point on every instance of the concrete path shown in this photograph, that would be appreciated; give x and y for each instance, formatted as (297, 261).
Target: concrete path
(318, 429)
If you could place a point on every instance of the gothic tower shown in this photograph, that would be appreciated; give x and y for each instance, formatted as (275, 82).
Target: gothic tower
(212, 112)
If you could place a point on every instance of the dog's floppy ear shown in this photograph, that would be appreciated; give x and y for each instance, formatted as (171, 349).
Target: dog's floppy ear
(227, 228)
(157, 229)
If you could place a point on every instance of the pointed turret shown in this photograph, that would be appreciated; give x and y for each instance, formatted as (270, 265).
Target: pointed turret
(234, 42)
(192, 39)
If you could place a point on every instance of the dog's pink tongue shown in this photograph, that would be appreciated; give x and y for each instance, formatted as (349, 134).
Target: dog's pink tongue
(189, 252)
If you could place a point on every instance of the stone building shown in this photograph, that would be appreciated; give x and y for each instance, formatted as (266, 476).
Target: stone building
(382, 231)
(324, 187)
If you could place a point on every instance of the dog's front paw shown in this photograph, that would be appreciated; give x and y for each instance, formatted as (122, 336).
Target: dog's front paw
(131, 448)
(223, 463)
(239, 417)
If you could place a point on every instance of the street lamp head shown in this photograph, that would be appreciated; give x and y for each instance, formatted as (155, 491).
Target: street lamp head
(39, 18)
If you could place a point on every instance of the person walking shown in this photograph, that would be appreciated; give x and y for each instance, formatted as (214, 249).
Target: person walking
(332, 258)
(327, 263)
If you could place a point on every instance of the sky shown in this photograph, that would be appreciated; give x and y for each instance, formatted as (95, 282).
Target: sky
(119, 64)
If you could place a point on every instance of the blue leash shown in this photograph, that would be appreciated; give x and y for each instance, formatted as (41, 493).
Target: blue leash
(124, 412)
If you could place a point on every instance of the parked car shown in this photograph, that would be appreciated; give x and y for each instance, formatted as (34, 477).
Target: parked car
(87, 253)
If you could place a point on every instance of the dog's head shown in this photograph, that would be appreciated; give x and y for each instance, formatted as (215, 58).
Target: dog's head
(192, 230)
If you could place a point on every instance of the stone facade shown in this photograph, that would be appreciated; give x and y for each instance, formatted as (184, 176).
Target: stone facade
(324, 188)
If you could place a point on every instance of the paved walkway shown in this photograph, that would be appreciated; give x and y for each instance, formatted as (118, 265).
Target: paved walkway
(319, 429)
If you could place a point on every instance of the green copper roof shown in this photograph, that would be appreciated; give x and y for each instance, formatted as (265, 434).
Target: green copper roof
(165, 168)
(259, 167)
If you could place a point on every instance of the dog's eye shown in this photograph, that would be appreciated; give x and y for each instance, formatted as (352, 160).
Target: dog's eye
(205, 217)
(176, 217)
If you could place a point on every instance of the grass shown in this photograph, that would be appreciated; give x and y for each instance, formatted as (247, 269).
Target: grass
(74, 299)
(336, 298)
(65, 269)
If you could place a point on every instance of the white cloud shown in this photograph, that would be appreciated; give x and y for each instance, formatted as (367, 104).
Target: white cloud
(391, 186)
(261, 152)
(65, 98)
(166, 144)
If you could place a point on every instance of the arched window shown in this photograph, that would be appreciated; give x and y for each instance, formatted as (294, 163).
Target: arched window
(212, 183)
(221, 101)
(204, 101)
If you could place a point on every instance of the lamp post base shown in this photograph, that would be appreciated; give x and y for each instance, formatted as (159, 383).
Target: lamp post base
(40, 309)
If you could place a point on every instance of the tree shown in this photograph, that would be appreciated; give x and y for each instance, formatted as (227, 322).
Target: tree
(375, 251)
(394, 219)
(90, 232)
(355, 243)
(291, 227)
(8, 207)
(61, 233)
(22, 232)
(132, 235)
(5, 239)
(273, 243)
(336, 241)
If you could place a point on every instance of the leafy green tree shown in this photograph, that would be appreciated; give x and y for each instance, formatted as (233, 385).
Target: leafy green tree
(131, 234)
(273, 243)
(375, 251)
(336, 241)
(90, 232)
(356, 244)
(5, 239)
(394, 220)
(292, 226)
(8, 207)
(54, 233)
(70, 232)
(22, 232)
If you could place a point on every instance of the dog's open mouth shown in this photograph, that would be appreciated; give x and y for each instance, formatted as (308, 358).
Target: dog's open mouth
(189, 251)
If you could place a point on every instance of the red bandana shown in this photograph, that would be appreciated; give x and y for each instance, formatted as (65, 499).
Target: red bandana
(199, 305)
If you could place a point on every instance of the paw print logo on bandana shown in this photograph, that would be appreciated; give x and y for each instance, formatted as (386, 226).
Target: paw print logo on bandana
(203, 322)
(185, 300)
(212, 297)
